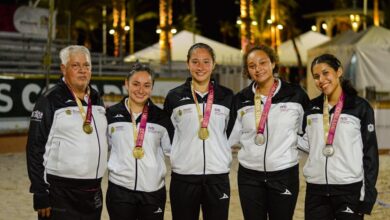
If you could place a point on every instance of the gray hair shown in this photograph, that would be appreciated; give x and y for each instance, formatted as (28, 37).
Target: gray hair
(66, 52)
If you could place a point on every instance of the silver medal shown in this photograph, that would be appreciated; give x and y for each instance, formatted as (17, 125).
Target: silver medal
(259, 139)
(328, 150)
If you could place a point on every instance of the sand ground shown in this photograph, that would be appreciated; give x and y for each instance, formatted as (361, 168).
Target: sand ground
(16, 201)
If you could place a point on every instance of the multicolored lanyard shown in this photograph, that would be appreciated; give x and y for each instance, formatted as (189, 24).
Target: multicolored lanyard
(260, 121)
(138, 136)
(87, 118)
(330, 130)
(204, 120)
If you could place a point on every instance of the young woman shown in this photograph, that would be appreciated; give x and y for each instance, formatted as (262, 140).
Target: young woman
(200, 155)
(139, 137)
(266, 119)
(342, 167)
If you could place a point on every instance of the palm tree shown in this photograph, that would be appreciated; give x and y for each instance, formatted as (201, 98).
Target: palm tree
(137, 11)
(284, 16)
(165, 27)
(119, 22)
(246, 30)
(227, 29)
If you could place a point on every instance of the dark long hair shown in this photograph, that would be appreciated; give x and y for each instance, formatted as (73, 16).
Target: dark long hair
(335, 64)
(270, 53)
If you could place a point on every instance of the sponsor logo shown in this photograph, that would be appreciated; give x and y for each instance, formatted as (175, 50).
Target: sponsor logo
(224, 196)
(159, 210)
(315, 108)
(118, 116)
(185, 98)
(348, 210)
(283, 108)
(287, 192)
(36, 115)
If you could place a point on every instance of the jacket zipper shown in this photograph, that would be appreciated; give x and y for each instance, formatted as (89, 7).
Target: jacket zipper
(204, 145)
(265, 153)
(136, 174)
(97, 135)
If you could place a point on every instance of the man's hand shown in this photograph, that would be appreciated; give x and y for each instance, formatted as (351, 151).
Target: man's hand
(45, 212)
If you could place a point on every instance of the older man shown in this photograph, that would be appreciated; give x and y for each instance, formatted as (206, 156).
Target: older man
(67, 143)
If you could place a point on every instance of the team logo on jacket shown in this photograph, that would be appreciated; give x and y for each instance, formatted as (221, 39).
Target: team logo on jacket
(36, 115)
(370, 127)
(242, 113)
(309, 121)
(68, 112)
(112, 130)
(179, 112)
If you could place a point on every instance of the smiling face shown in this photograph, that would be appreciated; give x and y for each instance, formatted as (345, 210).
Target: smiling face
(139, 86)
(326, 78)
(77, 71)
(201, 65)
(260, 66)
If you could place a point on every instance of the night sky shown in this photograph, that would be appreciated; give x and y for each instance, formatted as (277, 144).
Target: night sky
(209, 15)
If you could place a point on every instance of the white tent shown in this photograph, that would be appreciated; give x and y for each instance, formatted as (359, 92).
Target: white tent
(181, 42)
(305, 41)
(365, 57)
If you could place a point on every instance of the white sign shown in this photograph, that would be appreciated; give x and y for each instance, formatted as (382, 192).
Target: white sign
(30, 20)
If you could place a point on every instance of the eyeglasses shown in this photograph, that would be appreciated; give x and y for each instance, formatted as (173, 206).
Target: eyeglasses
(78, 67)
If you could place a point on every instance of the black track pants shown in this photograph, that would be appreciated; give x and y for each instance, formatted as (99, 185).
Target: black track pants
(125, 204)
(189, 193)
(75, 204)
(322, 207)
(271, 195)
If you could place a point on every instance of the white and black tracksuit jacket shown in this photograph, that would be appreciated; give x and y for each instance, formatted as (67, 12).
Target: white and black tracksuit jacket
(283, 124)
(354, 166)
(57, 145)
(146, 174)
(189, 154)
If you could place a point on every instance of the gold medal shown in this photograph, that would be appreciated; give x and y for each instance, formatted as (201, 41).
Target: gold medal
(87, 128)
(203, 133)
(138, 152)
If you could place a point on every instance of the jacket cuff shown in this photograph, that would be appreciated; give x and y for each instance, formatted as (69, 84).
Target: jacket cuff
(41, 200)
(365, 207)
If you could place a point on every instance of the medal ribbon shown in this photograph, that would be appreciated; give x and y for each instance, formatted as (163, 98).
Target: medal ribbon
(329, 131)
(260, 122)
(87, 118)
(139, 135)
(204, 121)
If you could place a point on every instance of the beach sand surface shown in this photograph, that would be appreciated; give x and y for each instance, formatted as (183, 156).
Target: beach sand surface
(16, 201)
